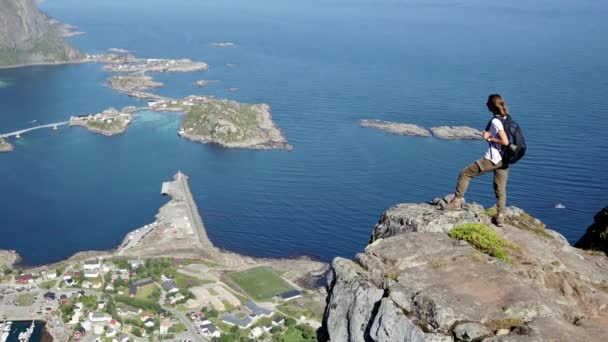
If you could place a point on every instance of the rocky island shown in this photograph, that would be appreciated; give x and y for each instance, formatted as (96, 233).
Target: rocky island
(395, 127)
(456, 132)
(446, 276)
(5, 146)
(29, 37)
(132, 84)
(441, 132)
(133, 65)
(109, 122)
(232, 124)
(204, 83)
(223, 44)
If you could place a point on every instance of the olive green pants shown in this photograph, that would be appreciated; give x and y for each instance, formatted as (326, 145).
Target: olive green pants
(480, 167)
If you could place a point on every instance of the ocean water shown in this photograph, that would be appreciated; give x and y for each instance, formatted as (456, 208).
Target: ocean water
(21, 326)
(321, 65)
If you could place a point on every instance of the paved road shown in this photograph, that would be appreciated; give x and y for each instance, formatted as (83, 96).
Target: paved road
(192, 331)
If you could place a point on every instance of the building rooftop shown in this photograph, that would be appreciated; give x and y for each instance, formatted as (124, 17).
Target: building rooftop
(290, 294)
(241, 322)
(257, 310)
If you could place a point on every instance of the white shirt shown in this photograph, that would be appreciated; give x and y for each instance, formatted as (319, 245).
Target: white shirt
(493, 152)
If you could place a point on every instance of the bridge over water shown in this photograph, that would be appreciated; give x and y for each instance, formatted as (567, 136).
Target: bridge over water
(20, 132)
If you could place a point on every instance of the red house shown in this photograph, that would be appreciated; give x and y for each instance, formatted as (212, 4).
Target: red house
(24, 279)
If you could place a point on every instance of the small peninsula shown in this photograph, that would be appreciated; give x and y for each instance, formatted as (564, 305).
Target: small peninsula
(232, 124)
(109, 122)
(395, 127)
(5, 146)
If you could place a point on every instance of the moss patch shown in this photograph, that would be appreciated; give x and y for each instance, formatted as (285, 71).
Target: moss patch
(484, 239)
(508, 323)
(526, 222)
(491, 212)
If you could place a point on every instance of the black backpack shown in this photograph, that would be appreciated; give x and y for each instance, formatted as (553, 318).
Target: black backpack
(517, 143)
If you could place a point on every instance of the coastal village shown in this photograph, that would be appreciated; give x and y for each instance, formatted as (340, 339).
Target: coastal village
(138, 293)
(129, 299)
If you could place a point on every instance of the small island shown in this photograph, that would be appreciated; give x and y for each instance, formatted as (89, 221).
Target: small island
(456, 132)
(232, 124)
(5, 146)
(109, 122)
(120, 50)
(441, 132)
(223, 44)
(154, 65)
(204, 83)
(132, 84)
(395, 127)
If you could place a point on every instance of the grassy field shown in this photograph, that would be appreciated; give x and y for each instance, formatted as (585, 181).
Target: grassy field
(261, 283)
(305, 306)
(47, 285)
(25, 299)
(145, 292)
(183, 281)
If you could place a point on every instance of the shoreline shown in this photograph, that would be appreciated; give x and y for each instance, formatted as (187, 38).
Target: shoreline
(150, 246)
(7, 67)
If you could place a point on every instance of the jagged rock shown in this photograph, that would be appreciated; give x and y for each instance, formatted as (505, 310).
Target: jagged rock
(410, 217)
(395, 127)
(471, 331)
(456, 132)
(350, 322)
(415, 283)
(390, 324)
(596, 236)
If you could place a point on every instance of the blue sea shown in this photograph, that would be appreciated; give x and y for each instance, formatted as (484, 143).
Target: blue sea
(322, 65)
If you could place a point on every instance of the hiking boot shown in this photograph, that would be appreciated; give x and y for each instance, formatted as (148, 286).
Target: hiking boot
(499, 220)
(455, 204)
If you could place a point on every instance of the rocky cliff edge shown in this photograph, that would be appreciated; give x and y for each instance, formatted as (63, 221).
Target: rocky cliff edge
(420, 280)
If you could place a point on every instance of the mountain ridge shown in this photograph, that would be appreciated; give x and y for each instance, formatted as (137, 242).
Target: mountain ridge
(27, 37)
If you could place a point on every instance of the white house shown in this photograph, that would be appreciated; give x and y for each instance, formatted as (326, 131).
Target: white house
(91, 273)
(51, 275)
(91, 264)
(99, 317)
(257, 332)
(135, 263)
(209, 330)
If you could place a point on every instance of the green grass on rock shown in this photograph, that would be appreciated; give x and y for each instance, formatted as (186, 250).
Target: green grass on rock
(482, 238)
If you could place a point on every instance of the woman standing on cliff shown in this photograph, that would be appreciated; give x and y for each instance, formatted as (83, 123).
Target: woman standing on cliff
(497, 139)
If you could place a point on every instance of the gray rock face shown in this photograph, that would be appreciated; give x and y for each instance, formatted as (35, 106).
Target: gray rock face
(395, 127)
(456, 132)
(412, 217)
(27, 37)
(415, 283)
(471, 331)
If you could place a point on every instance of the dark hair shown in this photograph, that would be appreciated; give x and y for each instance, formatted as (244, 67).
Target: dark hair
(496, 103)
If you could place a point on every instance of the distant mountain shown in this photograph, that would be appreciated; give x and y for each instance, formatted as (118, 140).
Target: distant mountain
(27, 36)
